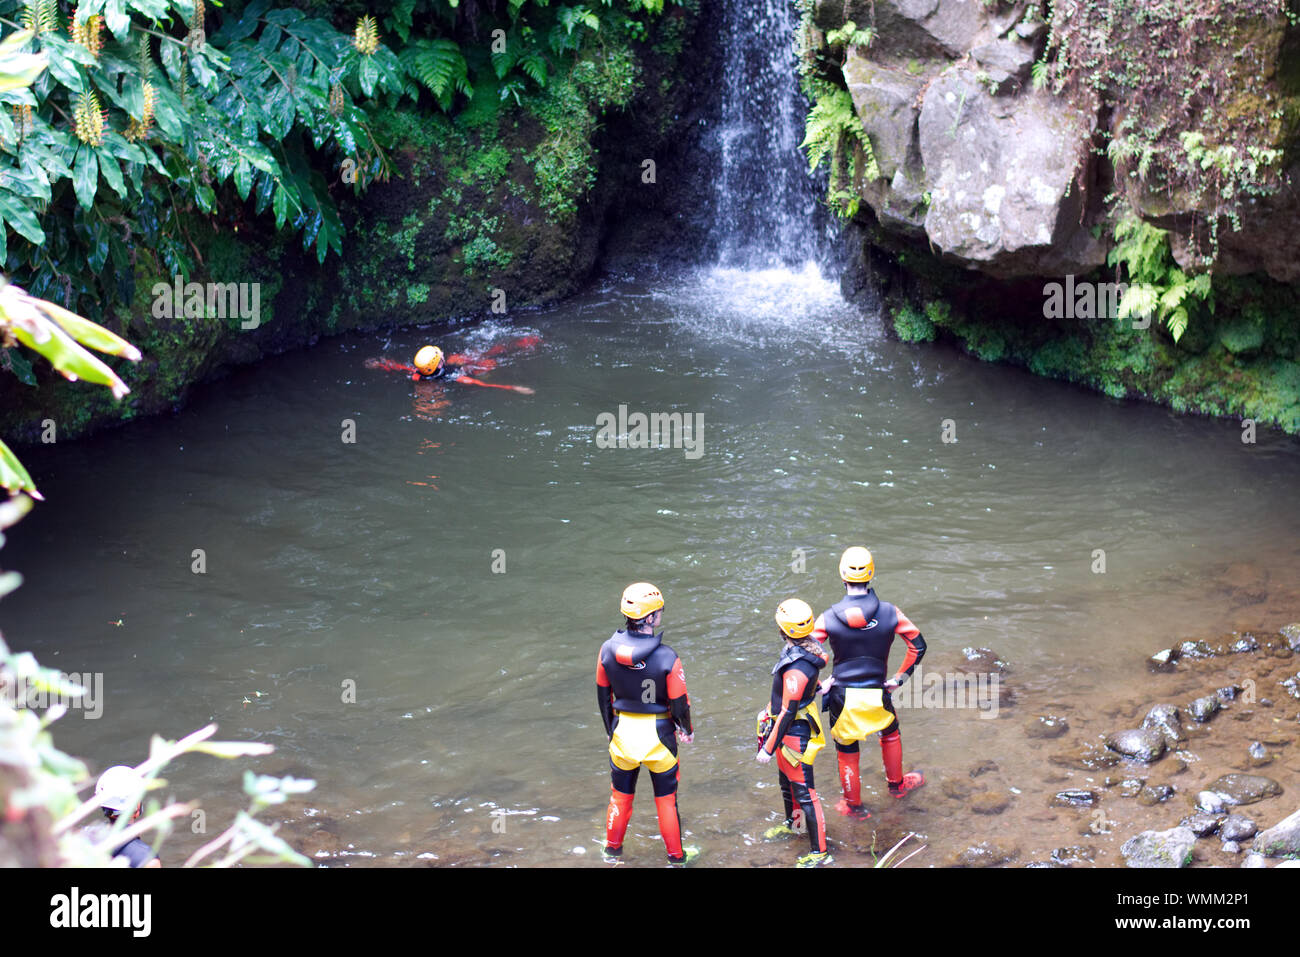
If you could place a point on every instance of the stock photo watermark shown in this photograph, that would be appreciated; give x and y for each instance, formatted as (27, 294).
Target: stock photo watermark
(1097, 300)
(642, 430)
(957, 690)
(82, 692)
(209, 300)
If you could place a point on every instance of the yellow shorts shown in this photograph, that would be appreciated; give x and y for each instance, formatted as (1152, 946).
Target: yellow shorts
(864, 713)
(636, 742)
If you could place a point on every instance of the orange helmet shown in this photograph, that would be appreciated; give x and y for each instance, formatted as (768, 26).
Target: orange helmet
(857, 565)
(795, 618)
(428, 360)
(639, 600)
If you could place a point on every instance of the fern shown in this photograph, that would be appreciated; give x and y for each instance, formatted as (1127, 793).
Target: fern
(440, 67)
(832, 124)
(534, 67)
(850, 35)
(1158, 286)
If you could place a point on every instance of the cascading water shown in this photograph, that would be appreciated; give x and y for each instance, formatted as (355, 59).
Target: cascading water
(766, 205)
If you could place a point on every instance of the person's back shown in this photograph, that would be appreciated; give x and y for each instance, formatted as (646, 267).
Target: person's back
(642, 699)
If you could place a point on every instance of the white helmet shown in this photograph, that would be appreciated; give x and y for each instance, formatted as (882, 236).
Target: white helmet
(118, 787)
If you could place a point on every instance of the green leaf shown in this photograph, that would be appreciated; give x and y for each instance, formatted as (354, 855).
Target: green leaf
(367, 76)
(117, 19)
(112, 173)
(280, 204)
(21, 366)
(243, 178)
(12, 474)
(21, 218)
(85, 176)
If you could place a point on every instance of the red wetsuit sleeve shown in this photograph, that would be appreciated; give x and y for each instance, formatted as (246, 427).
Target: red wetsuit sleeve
(819, 629)
(604, 698)
(911, 636)
(793, 685)
(679, 702)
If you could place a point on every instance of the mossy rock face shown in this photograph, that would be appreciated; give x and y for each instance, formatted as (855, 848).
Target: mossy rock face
(1242, 337)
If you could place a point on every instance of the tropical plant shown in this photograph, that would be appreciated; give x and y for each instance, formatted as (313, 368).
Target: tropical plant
(1157, 286)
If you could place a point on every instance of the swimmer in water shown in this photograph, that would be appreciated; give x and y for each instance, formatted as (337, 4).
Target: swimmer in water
(431, 363)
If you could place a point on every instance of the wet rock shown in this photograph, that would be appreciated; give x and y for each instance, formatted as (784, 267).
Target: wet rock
(1153, 794)
(1266, 702)
(1075, 797)
(1088, 758)
(983, 767)
(985, 854)
(1131, 787)
(1292, 635)
(1074, 854)
(1047, 726)
(1195, 649)
(1210, 802)
(1228, 693)
(1203, 709)
(1254, 860)
(1237, 789)
(1166, 719)
(1163, 661)
(1187, 757)
(1257, 755)
(1174, 764)
(1289, 863)
(990, 802)
(1283, 838)
(1146, 745)
(1171, 848)
(956, 788)
(1292, 685)
(1237, 827)
(1202, 824)
(1231, 847)
(1246, 643)
(984, 660)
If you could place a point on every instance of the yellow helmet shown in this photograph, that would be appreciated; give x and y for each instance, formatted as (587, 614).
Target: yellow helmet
(428, 360)
(857, 565)
(639, 600)
(795, 618)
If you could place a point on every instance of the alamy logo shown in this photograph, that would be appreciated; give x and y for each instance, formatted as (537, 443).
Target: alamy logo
(639, 430)
(209, 300)
(1094, 300)
(73, 691)
(102, 910)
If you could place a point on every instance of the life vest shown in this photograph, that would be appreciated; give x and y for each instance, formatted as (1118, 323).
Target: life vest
(637, 667)
(790, 657)
(860, 629)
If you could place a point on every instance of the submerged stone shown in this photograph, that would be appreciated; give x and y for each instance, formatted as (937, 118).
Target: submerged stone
(1166, 719)
(985, 854)
(1047, 726)
(1075, 797)
(1235, 789)
(1153, 794)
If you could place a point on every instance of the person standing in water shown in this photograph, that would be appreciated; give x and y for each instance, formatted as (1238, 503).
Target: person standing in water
(119, 788)
(790, 730)
(861, 628)
(641, 694)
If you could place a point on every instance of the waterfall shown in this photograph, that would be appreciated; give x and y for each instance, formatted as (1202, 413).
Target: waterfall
(766, 206)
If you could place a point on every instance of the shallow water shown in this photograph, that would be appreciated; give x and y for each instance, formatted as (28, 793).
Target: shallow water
(373, 562)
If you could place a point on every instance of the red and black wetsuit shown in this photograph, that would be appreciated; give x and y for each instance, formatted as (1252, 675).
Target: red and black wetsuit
(861, 629)
(794, 687)
(636, 674)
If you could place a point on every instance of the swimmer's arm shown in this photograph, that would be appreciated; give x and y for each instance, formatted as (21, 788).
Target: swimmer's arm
(604, 701)
(679, 702)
